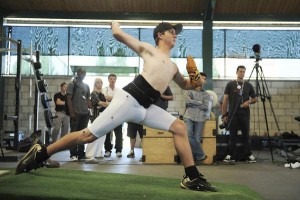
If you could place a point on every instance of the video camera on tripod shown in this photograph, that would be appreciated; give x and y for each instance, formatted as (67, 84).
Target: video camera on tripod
(256, 50)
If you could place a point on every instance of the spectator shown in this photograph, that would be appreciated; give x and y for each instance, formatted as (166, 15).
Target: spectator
(62, 122)
(78, 97)
(99, 103)
(109, 93)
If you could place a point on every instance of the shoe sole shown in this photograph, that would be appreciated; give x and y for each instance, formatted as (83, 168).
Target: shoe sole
(107, 156)
(213, 189)
(229, 161)
(23, 164)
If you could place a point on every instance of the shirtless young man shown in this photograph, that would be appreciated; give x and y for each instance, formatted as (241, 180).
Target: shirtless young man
(134, 103)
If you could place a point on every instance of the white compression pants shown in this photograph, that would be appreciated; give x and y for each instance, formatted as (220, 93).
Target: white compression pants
(125, 108)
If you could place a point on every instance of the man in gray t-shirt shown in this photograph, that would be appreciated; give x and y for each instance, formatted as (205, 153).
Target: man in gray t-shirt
(78, 97)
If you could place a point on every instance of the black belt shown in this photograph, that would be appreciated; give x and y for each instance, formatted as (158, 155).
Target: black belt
(142, 91)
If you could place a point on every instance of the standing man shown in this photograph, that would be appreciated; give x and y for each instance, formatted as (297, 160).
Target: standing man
(109, 93)
(62, 122)
(238, 94)
(78, 97)
(135, 103)
(197, 104)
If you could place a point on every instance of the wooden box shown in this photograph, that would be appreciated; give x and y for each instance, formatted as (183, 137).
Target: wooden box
(158, 150)
(209, 143)
(158, 147)
(150, 132)
(210, 149)
(209, 128)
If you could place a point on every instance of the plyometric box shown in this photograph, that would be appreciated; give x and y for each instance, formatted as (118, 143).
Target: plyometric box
(158, 147)
(209, 141)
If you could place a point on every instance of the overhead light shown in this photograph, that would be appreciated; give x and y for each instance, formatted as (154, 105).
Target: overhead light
(90, 23)
(262, 25)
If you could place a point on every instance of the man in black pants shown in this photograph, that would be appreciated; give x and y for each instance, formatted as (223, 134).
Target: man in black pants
(109, 93)
(240, 94)
(78, 97)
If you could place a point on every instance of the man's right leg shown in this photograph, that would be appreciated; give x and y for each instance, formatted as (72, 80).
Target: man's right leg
(56, 127)
(107, 145)
(65, 125)
(74, 122)
(132, 144)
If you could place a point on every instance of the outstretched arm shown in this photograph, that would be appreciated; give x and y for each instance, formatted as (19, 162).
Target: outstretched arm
(130, 41)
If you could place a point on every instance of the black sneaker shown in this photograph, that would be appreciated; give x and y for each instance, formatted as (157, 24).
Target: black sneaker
(228, 159)
(131, 154)
(28, 162)
(107, 154)
(198, 184)
(251, 159)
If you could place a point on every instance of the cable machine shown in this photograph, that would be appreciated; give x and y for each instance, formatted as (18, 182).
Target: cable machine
(15, 118)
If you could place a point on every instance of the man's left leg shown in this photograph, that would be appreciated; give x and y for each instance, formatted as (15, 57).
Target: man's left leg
(39, 153)
(193, 180)
(119, 140)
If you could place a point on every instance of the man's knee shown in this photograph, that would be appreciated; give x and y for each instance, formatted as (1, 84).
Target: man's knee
(86, 136)
(178, 127)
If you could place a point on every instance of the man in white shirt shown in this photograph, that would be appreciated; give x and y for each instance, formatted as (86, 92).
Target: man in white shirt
(109, 93)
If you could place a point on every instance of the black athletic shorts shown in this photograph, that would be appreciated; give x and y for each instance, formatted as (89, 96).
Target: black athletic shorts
(133, 128)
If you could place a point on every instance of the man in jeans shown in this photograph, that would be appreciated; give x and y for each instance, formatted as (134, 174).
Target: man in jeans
(197, 104)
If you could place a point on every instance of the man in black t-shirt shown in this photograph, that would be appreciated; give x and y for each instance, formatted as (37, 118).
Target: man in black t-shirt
(62, 122)
(239, 94)
(163, 101)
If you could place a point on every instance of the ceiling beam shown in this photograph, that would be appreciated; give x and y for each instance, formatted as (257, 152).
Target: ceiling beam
(106, 16)
(209, 14)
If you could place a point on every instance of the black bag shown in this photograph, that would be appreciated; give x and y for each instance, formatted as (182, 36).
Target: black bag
(66, 103)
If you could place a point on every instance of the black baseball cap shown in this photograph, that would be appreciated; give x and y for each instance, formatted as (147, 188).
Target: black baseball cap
(164, 26)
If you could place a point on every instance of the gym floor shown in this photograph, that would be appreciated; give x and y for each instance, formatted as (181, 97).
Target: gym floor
(269, 178)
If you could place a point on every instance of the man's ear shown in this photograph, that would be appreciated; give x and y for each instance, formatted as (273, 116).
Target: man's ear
(159, 34)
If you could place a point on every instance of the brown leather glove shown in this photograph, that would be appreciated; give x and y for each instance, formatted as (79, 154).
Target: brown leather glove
(192, 70)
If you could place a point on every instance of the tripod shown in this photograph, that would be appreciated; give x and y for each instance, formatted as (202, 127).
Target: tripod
(263, 91)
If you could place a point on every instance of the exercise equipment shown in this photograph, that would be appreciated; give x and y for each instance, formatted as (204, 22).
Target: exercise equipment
(49, 118)
(45, 101)
(15, 117)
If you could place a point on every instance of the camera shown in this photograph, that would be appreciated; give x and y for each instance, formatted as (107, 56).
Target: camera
(256, 50)
(224, 125)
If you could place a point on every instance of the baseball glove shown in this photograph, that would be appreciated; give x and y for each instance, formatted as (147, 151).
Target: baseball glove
(192, 69)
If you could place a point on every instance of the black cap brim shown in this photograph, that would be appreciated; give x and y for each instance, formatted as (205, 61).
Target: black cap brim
(178, 28)
(164, 26)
